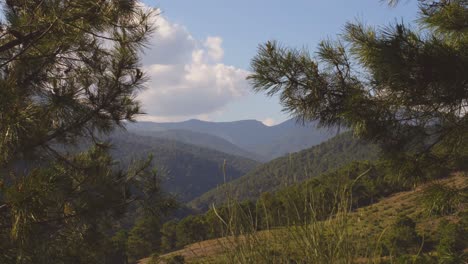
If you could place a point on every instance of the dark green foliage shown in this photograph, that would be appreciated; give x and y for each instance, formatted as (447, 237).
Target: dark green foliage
(191, 229)
(169, 236)
(240, 218)
(403, 89)
(69, 71)
(291, 169)
(453, 239)
(439, 199)
(401, 238)
(58, 217)
(144, 238)
(178, 259)
(118, 252)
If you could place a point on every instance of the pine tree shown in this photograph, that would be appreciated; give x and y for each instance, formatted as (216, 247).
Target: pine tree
(404, 88)
(144, 238)
(69, 72)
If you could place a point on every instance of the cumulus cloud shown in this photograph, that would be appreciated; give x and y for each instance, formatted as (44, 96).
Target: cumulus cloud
(215, 50)
(187, 76)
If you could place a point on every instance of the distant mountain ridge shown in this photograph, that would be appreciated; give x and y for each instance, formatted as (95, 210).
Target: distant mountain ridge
(250, 136)
(202, 140)
(191, 170)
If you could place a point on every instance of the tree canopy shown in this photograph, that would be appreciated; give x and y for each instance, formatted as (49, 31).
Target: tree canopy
(402, 86)
(69, 72)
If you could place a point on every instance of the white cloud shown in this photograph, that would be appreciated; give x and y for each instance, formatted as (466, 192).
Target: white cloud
(269, 122)
(187, 76)
(215, 51)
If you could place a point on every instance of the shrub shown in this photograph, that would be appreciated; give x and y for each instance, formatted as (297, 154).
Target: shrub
(402, 238)
(154, 259)
(177, 259)
(452, 242)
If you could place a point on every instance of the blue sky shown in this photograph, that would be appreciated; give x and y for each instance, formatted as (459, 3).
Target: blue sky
(200, 57)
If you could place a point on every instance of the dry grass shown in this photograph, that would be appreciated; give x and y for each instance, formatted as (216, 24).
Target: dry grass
(367, 224)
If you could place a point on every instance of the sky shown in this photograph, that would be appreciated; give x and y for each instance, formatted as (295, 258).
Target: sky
(199, 55)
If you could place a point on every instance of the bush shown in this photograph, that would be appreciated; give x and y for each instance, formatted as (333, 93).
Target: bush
(191, 229)
(177, 259)
(402, 238)
(452, 242)
(154, 259)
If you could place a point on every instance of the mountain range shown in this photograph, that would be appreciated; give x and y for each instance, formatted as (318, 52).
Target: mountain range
(199, 156)
(189, 170)
(248, 138)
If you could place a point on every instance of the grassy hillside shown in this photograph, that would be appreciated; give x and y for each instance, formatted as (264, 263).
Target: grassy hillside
(290, 169)
(366, 228)
(191, 170)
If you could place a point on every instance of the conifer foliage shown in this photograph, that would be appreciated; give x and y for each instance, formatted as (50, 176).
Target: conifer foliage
(69, 72)
(402, 86)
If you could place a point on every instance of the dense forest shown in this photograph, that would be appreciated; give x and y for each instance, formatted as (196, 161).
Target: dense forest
(200, 139)
(292, 169)
(188, 170)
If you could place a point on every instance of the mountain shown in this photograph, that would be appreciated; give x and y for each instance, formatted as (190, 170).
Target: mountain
(292, 137)
(243, 133)
(200, 139)
(292, 168)
(252, 136)
(191, 170)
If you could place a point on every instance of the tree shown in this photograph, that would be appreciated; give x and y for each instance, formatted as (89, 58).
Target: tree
(69, 72)
(404, 89)
(144, 238)
(118, 252)
(191, 229)
(169, 236)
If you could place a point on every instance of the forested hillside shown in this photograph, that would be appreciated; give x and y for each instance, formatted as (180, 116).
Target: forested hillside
(199, 139)
(398, 221)
(190, 170)
(291, 169)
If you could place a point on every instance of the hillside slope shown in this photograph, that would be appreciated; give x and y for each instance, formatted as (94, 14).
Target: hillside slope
(191, 170)
(200, 139)
(368, 223)
(290, 169)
